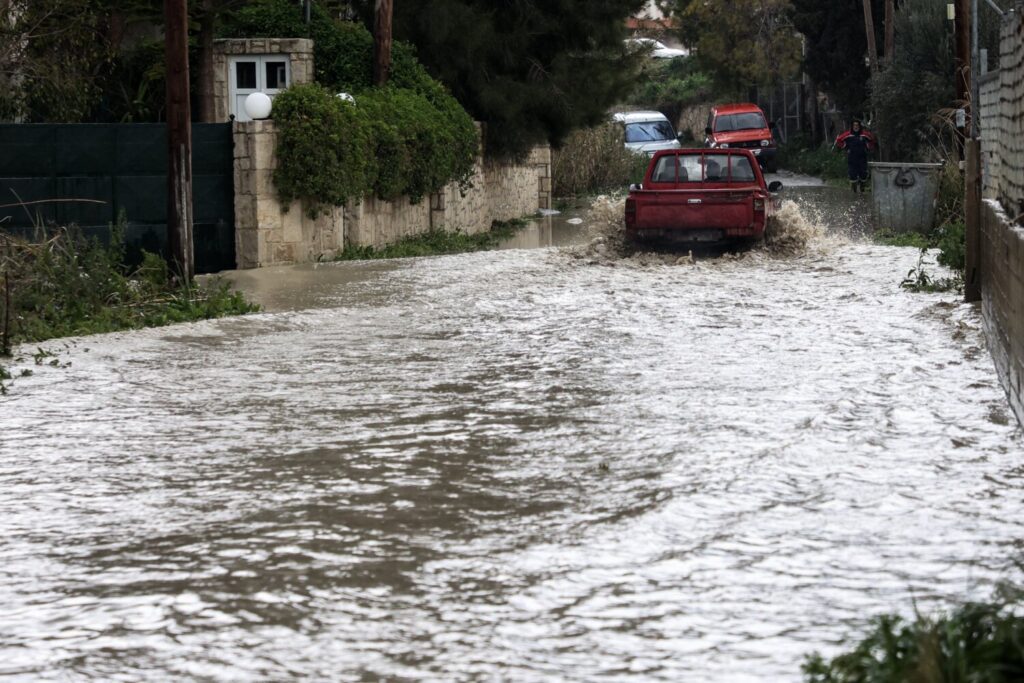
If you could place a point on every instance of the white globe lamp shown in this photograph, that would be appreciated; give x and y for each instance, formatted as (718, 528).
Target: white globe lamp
(257, 106)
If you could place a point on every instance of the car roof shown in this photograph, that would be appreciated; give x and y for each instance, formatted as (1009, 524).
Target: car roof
(637, 116)
(737, 108)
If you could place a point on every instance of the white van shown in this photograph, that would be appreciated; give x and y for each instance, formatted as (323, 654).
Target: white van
(647, 131)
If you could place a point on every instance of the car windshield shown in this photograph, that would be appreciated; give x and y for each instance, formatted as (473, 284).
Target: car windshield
(649, 131)
(750, 121)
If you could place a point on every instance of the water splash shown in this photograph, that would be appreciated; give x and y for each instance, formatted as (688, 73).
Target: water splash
(791, 233)
(794, 231)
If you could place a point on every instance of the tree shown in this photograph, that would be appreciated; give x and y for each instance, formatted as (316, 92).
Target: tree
(835, 48)
(64, 60)
(531, 70)
(743, 42)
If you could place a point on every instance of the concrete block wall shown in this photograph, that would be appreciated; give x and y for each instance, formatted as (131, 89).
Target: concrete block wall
(1001, 253)
(267, 232)
(1002, 118)
(1002, 292)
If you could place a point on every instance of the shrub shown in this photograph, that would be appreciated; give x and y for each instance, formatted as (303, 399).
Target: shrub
(977, 642)
(324, 150)
(670, 86)
(595, 160)
(391, 143)
(410, 138)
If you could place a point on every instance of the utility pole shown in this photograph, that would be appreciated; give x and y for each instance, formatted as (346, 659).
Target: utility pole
(890, 30)
(382, 42)
(179, 140)
(962, 40)
(973, 179)
(869, 29)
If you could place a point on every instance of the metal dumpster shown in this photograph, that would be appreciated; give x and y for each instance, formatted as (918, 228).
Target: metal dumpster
(903, 195)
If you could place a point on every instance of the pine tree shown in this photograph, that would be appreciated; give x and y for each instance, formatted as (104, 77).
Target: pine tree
(742, 42)
(532, 70)
(836, 47)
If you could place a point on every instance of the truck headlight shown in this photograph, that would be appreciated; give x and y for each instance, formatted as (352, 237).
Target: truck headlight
(765, 143)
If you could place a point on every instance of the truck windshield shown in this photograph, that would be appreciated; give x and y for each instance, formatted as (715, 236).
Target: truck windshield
(649, 131)
(750, 121)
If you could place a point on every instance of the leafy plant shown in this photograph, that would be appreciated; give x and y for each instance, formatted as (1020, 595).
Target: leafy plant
(919, 280)
(324, 148)
(977, 643)
(64, 284)
(391, 142)
(799, 155)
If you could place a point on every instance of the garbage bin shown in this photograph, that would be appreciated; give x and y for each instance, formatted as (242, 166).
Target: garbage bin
(903, 195)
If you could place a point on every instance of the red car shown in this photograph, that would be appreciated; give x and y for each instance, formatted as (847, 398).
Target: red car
(701, 195)
(743, 126)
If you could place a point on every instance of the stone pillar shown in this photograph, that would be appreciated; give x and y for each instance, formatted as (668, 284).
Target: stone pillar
(541, 159)
(300, 63)
(267, 232)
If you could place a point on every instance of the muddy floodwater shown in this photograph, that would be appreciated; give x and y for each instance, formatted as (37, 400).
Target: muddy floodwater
(529, 464)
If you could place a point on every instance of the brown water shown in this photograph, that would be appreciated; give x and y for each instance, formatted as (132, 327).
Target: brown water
(546, 464)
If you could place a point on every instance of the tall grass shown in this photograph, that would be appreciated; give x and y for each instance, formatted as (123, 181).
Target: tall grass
(62, 284)
(595, 160)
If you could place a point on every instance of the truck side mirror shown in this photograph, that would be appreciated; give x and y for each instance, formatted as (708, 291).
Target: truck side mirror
(771, 125)
(775, 186)
(707, 130)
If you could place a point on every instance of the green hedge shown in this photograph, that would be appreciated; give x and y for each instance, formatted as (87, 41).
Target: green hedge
(390, 143)
(410, 138)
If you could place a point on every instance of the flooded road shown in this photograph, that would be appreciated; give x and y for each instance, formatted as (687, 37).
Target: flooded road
(516, 465)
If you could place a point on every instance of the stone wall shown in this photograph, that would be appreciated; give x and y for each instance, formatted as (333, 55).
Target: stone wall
(267, 232)
(300, 58)
(1002, 295)
(498, 191)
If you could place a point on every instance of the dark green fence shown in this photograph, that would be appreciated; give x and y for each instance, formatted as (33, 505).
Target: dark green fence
(91, 175)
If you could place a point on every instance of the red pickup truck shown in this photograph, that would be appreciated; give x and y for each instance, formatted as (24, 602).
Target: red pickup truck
(701, 195)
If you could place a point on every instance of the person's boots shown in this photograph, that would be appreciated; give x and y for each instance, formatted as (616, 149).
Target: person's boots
(863, 186)
(853, 186)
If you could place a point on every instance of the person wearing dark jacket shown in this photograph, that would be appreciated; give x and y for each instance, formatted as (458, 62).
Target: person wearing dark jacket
(857, 142)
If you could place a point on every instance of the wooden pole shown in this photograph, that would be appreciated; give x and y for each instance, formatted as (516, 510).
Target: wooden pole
(890, 30)
(179, 140)
(382, 42)
(869, 29)
(972, 209)
(962, 40)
